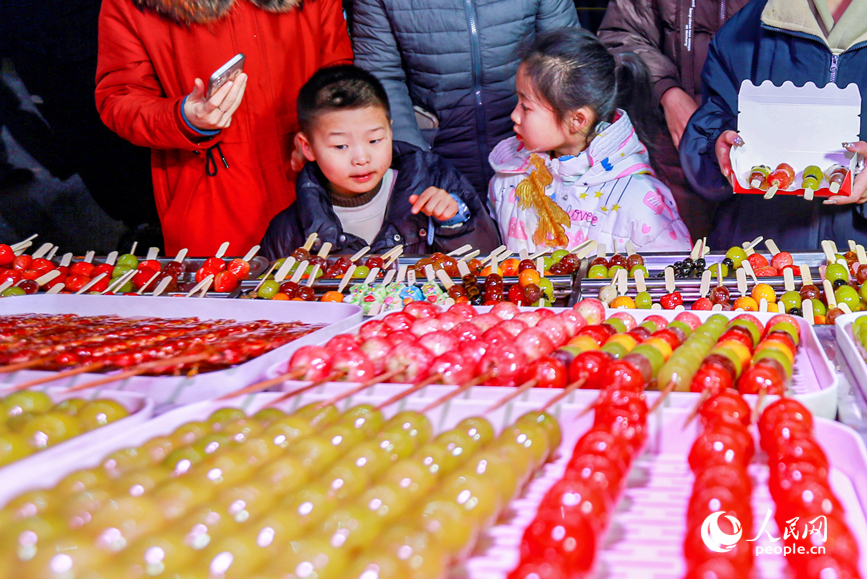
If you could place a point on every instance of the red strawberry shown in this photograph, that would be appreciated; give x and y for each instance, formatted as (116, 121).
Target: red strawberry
(757, 260)
(782, 259)
(671, 301)
(702, 304)
(766, 271)
(795, 269)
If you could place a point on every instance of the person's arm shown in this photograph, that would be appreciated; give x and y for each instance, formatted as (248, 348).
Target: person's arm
(128, 95)
(376, 50)
(704, 133)
(556, 14)
(335, 47)
(636, 26)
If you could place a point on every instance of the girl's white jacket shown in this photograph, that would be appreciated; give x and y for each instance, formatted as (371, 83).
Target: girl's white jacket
(609, 192)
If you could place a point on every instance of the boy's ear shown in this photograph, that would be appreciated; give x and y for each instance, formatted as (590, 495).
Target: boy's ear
(306, 147)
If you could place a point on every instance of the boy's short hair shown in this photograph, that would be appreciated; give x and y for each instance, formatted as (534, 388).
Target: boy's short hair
(335, 88)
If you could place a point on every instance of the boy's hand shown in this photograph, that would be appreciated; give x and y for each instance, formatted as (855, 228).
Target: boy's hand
(436, 203)
(859, 185)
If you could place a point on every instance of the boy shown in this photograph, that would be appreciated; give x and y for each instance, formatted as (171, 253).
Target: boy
(361, 188)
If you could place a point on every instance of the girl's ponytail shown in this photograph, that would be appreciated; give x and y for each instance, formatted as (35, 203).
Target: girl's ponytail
(635, 96)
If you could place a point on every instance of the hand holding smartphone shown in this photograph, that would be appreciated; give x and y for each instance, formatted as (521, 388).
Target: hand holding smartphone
(225, 73)
(211, 108)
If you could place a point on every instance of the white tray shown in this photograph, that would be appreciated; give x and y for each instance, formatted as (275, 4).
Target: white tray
(169, 391)
(33, 470)
(814, 382)
(852, 350)
(646, 536)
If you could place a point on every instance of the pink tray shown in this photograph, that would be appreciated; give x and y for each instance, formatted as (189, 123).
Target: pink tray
(42, 467)
(169, 391)
(645, 538)
(814, 381)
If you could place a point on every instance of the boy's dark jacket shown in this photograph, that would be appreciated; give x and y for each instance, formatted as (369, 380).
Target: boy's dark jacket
(416, 171)
(748, 48)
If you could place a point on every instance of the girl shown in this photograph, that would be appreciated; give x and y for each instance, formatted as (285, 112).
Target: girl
(577, 169)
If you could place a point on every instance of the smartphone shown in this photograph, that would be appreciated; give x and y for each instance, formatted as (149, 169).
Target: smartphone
(225, 73)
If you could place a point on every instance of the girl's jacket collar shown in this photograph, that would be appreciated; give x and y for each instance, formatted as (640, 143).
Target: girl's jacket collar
(205, 11)
(615, 152)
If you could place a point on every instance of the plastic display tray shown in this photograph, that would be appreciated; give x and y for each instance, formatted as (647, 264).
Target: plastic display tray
(852, 349)
(167, 391)
(644, 540)
(30, 471)
(814, 381)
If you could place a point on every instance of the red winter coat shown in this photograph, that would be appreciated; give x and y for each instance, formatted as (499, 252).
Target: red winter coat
(150, 52)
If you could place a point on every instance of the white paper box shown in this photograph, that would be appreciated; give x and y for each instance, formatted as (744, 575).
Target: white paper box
(800, 126)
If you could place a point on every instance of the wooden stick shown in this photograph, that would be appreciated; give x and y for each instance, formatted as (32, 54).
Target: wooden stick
(264, 278)
(143, 288)
(421, 385)
(224, 247)
(91, 283)
(512, 395)
(264, 384)
(255, 249)
(569, 389)
(58, 376)
(9, 368)
(458, 391)
(24, 242)
(705, 394)
(200, 285)
(360, 254)
(330, 378)
(363, 386)
(141, 369)
(669, 388)
(754, 415)
(460, 251)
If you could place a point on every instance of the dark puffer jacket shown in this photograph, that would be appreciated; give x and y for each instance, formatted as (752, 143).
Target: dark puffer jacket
(456, 59)
(416, 171)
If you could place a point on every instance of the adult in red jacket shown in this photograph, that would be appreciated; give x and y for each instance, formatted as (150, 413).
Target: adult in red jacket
(221, 167)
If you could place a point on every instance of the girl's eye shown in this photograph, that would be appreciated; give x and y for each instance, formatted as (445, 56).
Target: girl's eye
(340, 147)
(375, 141)
(525, 107)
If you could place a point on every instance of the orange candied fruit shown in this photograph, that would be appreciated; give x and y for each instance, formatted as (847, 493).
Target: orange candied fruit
(747, 304)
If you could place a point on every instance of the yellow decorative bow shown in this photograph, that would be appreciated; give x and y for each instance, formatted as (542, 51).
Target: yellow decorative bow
(553, 221)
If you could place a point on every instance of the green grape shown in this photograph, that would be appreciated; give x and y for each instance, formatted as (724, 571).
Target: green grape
(546, 421)
(268, 289)
(477, 428)
(638, 268)
(268, 415)
(361, 272)
(50, 428)
(126, 260)
(13, 447)
(415, 423)
(363, 417)
(547, 288)
(643, 301)
(31, 401)
(846, 294)
(617, 323)
(13, 291)
(598, 272)
(836, 271)
(612, 271)
(101, 412)
(71, 406)
(355, 527)
(737, 255)
(819, 308)
(791, 299)
(119, 270)
(559, 254)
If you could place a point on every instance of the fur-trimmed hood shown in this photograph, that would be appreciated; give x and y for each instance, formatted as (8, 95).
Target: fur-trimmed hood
(205, 11)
